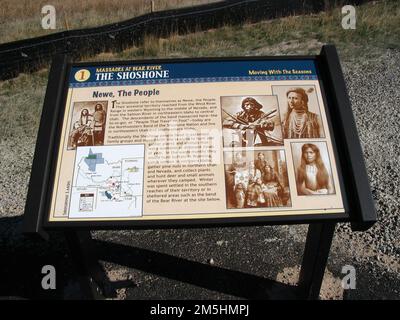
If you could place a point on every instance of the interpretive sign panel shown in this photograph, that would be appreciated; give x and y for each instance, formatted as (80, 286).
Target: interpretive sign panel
(195, 140)
(179, 142)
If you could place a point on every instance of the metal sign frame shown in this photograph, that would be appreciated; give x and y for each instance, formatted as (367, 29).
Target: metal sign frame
(357, 198)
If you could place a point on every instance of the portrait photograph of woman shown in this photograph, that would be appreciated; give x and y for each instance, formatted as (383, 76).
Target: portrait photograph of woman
(313, 170)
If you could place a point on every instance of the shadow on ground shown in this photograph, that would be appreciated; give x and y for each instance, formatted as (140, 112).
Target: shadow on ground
(160, 274)
(24, 256)
(230, 282)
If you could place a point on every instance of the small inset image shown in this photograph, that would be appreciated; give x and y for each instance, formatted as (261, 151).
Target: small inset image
(313, 169)
(300, 112)
(107, 182)
(86, 201)
(256, 179)
(251, 121)
(88, 124)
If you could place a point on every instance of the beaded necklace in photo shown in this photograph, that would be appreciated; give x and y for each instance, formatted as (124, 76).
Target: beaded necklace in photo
(297, 123)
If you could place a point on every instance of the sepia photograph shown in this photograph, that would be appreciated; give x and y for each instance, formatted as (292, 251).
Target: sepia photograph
(313, 169)
(251, 121)
(300, 112)
(88, 124)
(256, 179)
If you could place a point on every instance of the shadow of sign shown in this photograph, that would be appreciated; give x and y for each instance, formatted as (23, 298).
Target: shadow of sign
(214, 278)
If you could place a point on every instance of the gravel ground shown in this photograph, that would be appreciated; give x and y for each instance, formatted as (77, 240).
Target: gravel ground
(227, 263)
(374, 89)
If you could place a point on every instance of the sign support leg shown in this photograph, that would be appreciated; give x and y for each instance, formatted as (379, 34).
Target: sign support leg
(92, 277)
(316, 252)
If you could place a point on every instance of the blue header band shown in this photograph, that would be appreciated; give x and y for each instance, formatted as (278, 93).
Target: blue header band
(192, 72)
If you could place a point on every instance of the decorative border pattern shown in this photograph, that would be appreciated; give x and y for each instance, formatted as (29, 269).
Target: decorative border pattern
(192, 80)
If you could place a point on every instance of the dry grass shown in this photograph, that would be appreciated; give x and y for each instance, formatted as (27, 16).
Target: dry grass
(21, 19)
(377, 28)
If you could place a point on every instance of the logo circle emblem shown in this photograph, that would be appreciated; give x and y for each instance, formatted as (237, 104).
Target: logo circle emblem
(82, 75)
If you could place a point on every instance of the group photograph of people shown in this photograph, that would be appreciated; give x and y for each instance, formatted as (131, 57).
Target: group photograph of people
(88, 124)
(256, 179)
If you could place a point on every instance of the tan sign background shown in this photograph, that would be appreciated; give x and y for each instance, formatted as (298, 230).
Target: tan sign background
(183, 112)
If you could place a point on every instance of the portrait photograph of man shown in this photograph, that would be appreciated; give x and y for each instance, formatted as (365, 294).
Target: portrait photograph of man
(88, 124)
(251, 121)
(301, 115)
(256, 179)
(313, 169)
